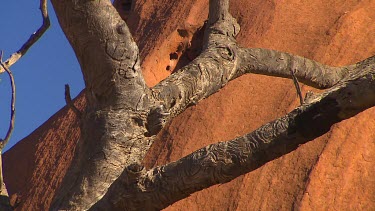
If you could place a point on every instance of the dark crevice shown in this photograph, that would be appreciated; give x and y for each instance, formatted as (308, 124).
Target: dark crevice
(126, 5)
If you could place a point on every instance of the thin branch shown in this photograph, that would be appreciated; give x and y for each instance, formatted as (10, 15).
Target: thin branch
(12, 106)
(296, 84)
(33, 38)
(221, 162)
(4, 196)
(70, 103)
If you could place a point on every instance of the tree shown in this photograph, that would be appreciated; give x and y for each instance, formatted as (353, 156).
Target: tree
(124, 115)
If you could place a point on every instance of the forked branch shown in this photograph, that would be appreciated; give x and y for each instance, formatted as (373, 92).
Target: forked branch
(33, 38)
(4, 67)
(221, 162)
(222, 60)
(118, 132)
(208, 72)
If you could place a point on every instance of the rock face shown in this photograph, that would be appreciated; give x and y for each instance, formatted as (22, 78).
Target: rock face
(335, 171)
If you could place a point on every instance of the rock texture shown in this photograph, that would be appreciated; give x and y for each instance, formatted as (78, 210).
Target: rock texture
(334, 171)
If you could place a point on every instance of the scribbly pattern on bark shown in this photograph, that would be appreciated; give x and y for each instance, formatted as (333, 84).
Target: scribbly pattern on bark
(124, 115)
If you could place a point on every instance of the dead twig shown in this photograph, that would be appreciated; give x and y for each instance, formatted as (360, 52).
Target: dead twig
(69, 101)
(33, 38)
(13, 101)
(296, 84)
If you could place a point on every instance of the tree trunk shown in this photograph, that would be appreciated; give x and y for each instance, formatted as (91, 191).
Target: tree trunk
(123, 115)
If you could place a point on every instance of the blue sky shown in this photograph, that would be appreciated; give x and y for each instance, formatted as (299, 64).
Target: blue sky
(40, 75)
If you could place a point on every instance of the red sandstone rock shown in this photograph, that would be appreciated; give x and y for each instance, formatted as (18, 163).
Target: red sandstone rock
(335, 171)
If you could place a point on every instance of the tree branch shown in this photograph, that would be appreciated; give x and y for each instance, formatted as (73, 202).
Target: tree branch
(218, 163)
(123, 116)
(222, 61)
(106, 51)
(4, 67)
(275, 63)
(33, 38)
(4, 196)
(114, 133)
(201, 78)
(208, 72)
(12, 106)
(69, 102)
(298, 88)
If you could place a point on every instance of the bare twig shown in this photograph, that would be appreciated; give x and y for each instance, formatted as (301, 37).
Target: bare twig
(296, 84)
(69, 101)
(33, 38)
(13, 108)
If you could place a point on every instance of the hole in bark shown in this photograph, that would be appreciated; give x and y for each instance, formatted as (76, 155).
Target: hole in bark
(168, 68)
(173, 56)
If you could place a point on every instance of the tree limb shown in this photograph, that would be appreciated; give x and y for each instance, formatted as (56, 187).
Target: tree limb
(222, 61)
(208, 72)
(298, 88)
(33, 38)
(4, 67)
(123, 115)
(69, 102)
(221, 162)
(4, 197)
(275, 63)
(114, 133)
(106, 51)
(12, 106)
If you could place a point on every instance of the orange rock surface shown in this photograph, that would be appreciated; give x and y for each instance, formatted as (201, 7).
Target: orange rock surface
(333, 172)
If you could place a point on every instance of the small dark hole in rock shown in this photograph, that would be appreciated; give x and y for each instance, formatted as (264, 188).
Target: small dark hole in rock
(183, 32)
(168, 68)
(173, 56)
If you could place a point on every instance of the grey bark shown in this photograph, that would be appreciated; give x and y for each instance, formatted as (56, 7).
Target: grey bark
(156, 188)
(123, 115)
(4, 197)
(118, 101)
